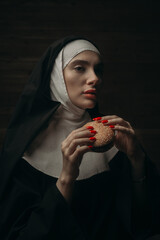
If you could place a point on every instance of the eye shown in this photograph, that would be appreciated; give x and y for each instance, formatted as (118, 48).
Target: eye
(79, 69)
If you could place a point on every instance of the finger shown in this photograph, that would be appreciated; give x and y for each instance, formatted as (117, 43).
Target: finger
(108, 117)
(99, 119)
(118, 120)
(78, 154)
(81, 133)
(124, 129)
(79, 142)
(76, 131)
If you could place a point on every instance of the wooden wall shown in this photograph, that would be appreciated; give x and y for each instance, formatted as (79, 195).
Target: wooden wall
(128, 35)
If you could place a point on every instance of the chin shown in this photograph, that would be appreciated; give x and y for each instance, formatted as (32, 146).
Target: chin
(88, 105)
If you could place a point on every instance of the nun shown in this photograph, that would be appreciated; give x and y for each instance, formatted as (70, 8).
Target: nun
(52, 185)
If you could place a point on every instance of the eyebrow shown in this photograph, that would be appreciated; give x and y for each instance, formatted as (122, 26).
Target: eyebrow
(79, 61)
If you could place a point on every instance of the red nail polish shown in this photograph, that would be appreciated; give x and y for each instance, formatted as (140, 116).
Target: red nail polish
(104, 121)
(89, 127)
(111, 126)
(90, 146)
(92, 138)
(97, 118)
(93, 131)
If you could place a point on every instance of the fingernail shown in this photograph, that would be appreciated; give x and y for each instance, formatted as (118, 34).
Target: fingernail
(92, 138)
(90, 146)
(111, 126)
(93, 131)
(97, 118)
(104, 121)
(89, 127)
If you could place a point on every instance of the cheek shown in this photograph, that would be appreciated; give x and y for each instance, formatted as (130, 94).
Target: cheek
(72, 81)
(70, 85)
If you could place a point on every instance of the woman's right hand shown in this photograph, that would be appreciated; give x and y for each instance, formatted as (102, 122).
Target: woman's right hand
(73, 148)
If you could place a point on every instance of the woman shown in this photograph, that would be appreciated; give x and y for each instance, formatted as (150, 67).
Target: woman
(52, 185)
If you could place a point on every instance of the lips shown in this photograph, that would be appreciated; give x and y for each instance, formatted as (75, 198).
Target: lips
(90, 94)
(90, 91)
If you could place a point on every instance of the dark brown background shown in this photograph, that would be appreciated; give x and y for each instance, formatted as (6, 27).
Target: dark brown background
(128, 35)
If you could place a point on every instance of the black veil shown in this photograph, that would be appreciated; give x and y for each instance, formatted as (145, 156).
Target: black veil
(33, 111)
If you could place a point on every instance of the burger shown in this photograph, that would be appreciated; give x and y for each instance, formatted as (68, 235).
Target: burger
(104, 136)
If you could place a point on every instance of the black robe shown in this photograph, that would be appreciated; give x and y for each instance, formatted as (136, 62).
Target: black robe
(31, 206)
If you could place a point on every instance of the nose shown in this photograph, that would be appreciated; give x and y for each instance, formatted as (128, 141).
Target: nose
(93, 78)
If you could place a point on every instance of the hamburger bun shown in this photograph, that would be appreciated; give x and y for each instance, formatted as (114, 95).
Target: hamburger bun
(104, 136)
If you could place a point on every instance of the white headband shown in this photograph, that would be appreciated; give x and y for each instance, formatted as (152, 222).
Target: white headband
(74, 48)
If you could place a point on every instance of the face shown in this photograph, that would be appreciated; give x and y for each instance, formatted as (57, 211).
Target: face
(82, 76)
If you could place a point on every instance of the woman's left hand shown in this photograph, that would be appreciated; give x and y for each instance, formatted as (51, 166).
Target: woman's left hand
(125, 139)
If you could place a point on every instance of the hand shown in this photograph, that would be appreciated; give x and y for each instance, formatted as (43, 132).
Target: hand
(125, 139)
(73, 148)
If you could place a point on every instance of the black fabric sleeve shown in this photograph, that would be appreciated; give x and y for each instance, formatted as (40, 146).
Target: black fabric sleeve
(153, 187)
(52, 219)
(124, 200)
(34, 209)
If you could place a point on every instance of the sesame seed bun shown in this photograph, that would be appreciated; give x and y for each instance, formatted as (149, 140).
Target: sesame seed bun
(104, 136)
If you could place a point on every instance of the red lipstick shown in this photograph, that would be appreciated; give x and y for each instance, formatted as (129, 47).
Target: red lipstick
(92, 91)
(90, 94)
